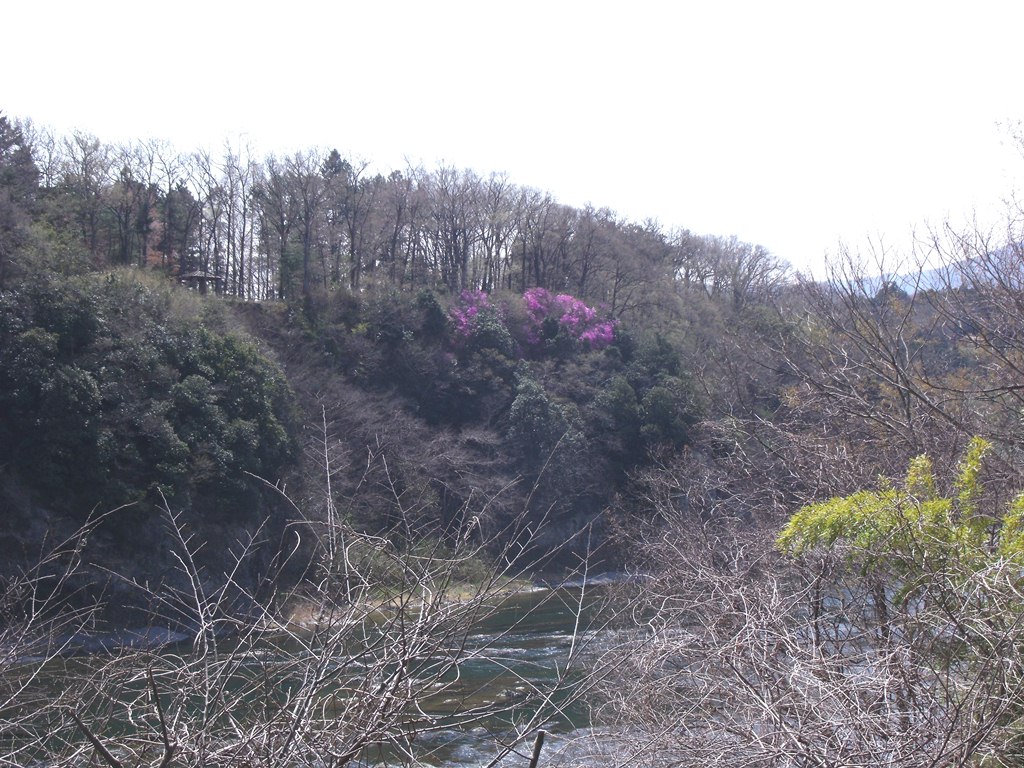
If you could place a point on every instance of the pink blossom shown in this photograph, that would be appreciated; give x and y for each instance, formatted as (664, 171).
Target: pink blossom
(465, 312)
(579, 320)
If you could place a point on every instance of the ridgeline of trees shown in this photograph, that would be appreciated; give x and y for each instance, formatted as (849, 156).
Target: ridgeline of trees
(314, 221)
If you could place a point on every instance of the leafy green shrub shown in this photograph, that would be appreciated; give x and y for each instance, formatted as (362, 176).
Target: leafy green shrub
(434, 323)
(666, 414)
(110, 394)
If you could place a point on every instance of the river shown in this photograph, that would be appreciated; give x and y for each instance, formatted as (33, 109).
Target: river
(525, 666)
(528, 642)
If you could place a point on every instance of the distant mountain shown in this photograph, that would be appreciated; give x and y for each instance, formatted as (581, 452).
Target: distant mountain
(936, 279)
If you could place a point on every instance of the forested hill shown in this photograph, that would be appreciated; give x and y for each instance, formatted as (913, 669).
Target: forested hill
(181, 332)
(223, 375)
(240, 342)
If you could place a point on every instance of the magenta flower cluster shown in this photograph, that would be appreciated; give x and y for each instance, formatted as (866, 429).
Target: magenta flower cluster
(576, 318)
(464, 314)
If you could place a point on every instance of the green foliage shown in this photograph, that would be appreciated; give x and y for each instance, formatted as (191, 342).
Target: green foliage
(535, 423)
(18, 190)
(489, 332)
(547, 440)
(434, 323)
(912, 526)
(666, 414)
(399, 343)
(109, 394)
(617, 412)
(654, 357)
(617, 402)
(928, 575)
(1012, 532)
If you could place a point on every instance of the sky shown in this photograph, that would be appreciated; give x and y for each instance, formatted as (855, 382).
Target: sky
(800, 126)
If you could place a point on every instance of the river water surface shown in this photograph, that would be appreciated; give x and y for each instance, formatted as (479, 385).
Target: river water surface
(528, 642)
(513, 664)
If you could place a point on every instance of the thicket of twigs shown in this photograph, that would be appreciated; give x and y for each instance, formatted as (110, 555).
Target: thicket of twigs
(885, 627)
(346, 667)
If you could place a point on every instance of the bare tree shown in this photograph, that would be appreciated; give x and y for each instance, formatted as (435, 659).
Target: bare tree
(497, 218)
(43, 615)
(353, 662)
(454, 229)
(978, 292)
(885, 648)
(278, 210)
(132, 199)
(85, 175)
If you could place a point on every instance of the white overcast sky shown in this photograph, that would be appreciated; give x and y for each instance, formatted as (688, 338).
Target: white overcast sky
(795, 125)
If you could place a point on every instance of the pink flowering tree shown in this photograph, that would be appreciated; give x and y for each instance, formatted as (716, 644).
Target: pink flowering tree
(478, 324)
(550, 314)
(547, 318)
(466, 312)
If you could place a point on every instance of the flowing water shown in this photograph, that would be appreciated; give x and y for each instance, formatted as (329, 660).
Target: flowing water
(511, 659)
(528, 642)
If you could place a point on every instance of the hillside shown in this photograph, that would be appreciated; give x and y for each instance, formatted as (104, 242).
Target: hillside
(435, 347)
(278, 397)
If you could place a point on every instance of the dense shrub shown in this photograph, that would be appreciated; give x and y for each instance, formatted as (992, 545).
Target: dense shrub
(110, 394)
